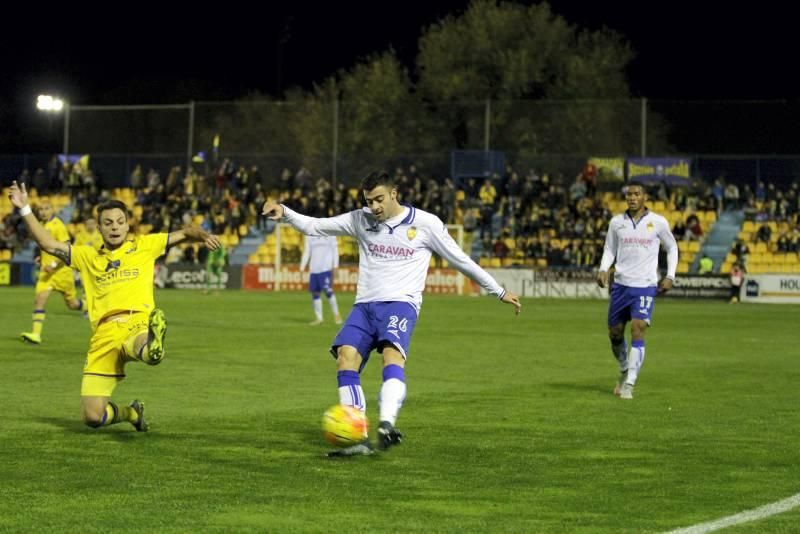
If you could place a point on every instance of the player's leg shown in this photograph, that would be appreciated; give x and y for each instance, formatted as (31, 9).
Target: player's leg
(642, 307)
(218, 273)
(351, 348)
(104, 369)
(39, 301)
(327, 287)
(392, 395)
(66, 286)
(209, 271)
(618, 316)
(397, 321)
(145, 339)
(315, 287)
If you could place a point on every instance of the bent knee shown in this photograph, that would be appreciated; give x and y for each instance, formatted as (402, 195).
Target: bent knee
(347, 358)
(93, 418)
(616, 332)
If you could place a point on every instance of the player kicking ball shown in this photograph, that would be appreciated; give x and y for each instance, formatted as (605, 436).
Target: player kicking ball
(395, 244)
(118, 280)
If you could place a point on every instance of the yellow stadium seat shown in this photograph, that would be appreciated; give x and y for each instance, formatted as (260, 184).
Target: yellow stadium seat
(541, 262)
(749, 226)
(683, 267)
(253, 259)
(694, 246)
(495, 262)
(760, 247)
(483, 262)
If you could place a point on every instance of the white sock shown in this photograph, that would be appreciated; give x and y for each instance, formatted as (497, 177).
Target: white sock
(334, 305)
(393, 393)
(635, 361)
(317, 304)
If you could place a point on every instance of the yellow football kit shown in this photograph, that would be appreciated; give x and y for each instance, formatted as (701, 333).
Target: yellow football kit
(60, 279)
(119, 289)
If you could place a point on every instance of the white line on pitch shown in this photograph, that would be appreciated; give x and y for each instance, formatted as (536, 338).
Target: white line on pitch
(750, 515)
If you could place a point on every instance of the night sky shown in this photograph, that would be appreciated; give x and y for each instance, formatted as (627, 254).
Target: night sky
(148, 56)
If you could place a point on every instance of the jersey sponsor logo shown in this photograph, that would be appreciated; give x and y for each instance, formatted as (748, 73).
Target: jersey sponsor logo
(637, 241)
(113, 265)
(389, 251)
(132, 249)
(116, 274)
(411, 233)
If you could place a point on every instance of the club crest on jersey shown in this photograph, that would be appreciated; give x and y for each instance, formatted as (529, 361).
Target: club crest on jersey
(132, 249)
(411, 233)
(650, 227)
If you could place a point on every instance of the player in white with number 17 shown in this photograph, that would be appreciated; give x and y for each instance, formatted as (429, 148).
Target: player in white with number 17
(632, 244)
(395, 245)
(321, 254)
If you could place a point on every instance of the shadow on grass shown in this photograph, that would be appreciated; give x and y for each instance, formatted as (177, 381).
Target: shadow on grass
(580, 387)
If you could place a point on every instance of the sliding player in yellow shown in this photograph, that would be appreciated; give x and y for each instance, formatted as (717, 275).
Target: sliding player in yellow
(118, 280)
(53, 274)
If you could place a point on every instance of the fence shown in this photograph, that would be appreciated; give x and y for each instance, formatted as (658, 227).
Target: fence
(344, 139)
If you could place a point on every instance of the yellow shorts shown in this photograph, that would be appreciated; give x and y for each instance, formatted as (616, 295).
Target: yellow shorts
(62, 281)
(107, 356)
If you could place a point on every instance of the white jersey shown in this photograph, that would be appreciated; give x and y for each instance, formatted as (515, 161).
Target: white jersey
(635, 245)
(322, 252)
(394, 255)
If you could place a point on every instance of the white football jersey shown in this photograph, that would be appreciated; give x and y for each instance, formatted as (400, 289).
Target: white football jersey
(634, 246)
(322, 252)
(394, 255)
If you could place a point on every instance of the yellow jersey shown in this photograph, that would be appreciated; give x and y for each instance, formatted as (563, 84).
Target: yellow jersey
(119, 280)
(94, 239)
(58, 230)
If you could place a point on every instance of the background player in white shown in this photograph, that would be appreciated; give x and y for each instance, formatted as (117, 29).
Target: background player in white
(323, 255)
(395, 245)
(633, 240)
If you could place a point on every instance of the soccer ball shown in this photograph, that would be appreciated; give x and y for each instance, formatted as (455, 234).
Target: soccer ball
(344, 425)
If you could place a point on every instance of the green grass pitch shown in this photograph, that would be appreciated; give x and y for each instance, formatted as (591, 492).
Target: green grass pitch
(510, 422)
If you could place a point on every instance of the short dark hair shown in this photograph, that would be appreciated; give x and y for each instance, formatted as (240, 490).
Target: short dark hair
(634, 182)
(376, 178)
(112, 205)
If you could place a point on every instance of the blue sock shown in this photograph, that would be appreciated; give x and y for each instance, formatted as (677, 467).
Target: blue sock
(350, 392)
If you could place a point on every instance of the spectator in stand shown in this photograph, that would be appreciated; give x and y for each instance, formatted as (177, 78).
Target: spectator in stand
(694, 230)
(741, 251)
(737, 278)
(764, 233)
(731, 197)
(718, 190)
(500, 248)
(679, 230)
(706, 265)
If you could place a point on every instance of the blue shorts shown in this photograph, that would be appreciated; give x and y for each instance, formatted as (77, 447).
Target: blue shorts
(631, 303)
(318, 282)
(371, 324)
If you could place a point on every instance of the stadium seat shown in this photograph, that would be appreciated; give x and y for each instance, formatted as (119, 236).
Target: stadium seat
(749, 226)
(495, 262)
(694, 246)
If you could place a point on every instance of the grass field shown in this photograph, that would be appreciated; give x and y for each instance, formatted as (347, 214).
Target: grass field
(510, 422)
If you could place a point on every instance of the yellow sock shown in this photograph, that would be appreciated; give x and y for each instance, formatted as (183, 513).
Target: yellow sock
(38, 321)
(115, 414)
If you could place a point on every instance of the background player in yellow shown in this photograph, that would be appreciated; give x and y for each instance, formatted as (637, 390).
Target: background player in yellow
(118, 279)
(90, 235)
(53, 274)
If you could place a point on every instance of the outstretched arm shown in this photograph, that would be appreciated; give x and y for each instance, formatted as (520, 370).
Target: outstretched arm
(194, 234)
(339, 225)
(19, 199)
(443, 244)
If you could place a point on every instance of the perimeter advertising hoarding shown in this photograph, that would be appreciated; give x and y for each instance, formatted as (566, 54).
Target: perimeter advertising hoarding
(345, 278)
(774, 288)
(695, 286)
(193, 276)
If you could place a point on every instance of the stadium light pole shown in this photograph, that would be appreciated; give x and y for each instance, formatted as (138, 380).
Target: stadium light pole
(53, 104)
